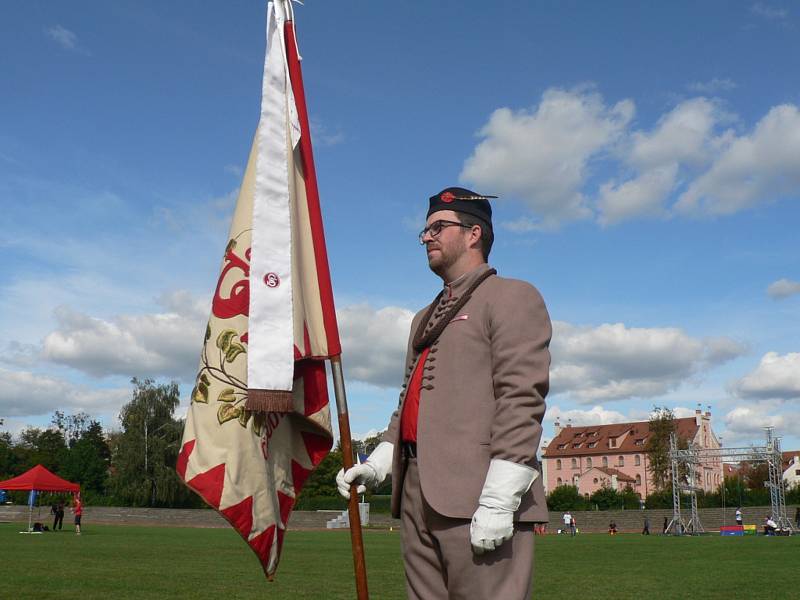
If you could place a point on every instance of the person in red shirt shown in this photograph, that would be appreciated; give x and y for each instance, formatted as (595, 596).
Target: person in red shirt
(77, 510)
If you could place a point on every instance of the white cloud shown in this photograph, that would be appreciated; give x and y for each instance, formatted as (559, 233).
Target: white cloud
(615, 362)
(62, 36)
(776, 376)
(149, 345)
(542, 155)
(692, 162)
(753, 169)
(683, 135)
(769, 12)
(744, 425)
(713, 86)
(597, 415)
(783, 288)
(323, 135)
(683, 139)
(24, 393)
(374, 343)
(641, 196)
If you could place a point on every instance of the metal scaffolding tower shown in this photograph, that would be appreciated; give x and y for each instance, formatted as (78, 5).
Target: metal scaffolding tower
(688, 459)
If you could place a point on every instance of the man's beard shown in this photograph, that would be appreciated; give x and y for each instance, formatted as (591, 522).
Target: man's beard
(447, 256)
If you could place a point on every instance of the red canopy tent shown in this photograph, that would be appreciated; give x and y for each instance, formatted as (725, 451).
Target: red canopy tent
(40, 479)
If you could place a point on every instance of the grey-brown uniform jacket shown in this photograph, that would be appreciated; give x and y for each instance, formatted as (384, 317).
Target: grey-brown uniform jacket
(486, 378)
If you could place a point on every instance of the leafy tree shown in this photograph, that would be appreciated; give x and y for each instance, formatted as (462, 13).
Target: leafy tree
(659, 499)
(7, 456)
(662, 425)
(322, 481)
(46, 447)
(72, 427)
(606, 498)
(88, 459)
(145, 452)
(565, 497)
(630, 499)
(754, 474)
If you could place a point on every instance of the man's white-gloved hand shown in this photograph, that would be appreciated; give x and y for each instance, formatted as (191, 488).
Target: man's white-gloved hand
(370, 473)
(493, 522)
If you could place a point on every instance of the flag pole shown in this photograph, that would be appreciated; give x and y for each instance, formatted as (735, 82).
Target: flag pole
(347, 458)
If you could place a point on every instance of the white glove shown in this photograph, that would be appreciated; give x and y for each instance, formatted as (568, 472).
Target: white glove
(493, 522)
(371, 472)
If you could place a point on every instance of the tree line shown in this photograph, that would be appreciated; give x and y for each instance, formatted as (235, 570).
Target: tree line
(132, 466)
(135, 465)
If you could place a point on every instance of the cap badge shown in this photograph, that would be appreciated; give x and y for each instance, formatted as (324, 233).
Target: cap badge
(448, 197)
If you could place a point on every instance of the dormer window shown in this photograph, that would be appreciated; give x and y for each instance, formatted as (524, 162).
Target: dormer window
(612, 442)
(592, 444)
(562, 446)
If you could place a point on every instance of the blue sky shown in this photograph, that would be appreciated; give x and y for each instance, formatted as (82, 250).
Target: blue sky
(647, 157)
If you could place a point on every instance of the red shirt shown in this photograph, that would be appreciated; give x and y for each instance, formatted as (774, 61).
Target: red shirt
(408, 420)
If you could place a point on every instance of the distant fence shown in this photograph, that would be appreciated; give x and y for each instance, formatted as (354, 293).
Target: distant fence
(587, 521)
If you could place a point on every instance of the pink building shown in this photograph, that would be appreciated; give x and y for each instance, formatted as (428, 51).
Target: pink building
(594, 456)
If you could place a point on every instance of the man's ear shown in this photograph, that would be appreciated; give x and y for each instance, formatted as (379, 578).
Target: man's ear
(475, 236)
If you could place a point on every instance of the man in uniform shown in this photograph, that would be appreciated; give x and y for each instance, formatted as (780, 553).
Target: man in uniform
(461, 447)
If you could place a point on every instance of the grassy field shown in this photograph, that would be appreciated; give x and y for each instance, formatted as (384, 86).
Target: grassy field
(157, 562)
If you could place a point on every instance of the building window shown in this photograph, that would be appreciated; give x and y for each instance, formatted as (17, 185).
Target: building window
(594, 480)
(621, 461)
(558, 481)
(592, 444)
(558, 465)
(638, 480)
(639, 442)
(562, 446)
(637, 460)
(588, 463)
(612, 442)
(574, 463)
(605, 461)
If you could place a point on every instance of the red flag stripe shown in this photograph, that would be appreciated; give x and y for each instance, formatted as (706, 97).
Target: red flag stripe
(312, 196)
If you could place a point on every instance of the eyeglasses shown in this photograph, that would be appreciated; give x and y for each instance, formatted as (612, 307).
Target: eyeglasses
(436, 227)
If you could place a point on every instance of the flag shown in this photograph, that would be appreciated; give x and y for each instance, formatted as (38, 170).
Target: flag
(259, 420)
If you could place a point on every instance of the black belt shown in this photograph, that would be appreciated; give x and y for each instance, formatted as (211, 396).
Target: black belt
(409, 449)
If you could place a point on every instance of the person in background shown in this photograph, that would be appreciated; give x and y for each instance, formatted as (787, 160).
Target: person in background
(612, 528)
(797, 517)
(573, 526)
(567, 518)
(77, 510)
(57, 510)
(739, 515)
(770, 526)
(646, 530)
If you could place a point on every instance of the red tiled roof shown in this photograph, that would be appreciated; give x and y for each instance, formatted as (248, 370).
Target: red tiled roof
(594, 439)
(788, 457)
(620, 475)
